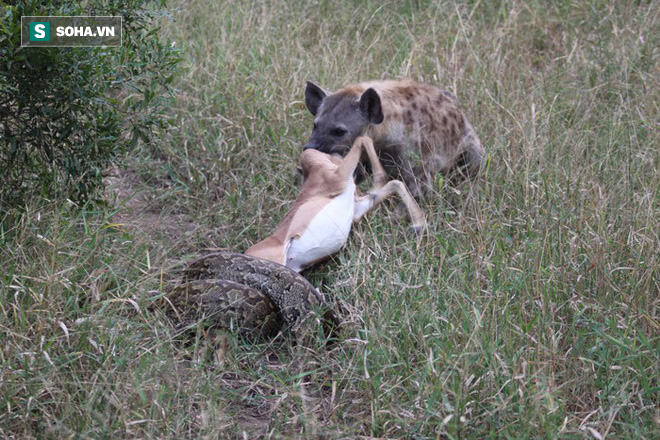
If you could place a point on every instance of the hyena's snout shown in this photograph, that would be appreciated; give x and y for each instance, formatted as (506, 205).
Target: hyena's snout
(327, 147)
(311, 145)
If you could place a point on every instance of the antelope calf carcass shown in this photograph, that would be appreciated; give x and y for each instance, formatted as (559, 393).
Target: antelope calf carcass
(320, 219)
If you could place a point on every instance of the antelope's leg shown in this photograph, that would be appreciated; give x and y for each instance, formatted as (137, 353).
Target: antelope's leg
(350, 162)
(379, 174)
(376, 196)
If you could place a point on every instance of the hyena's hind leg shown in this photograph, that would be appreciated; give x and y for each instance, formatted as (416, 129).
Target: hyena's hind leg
(470, 158)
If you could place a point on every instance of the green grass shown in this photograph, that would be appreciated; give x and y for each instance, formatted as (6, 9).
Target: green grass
(530, 309)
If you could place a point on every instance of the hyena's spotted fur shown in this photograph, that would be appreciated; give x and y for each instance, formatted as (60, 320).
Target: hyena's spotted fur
(408, 121)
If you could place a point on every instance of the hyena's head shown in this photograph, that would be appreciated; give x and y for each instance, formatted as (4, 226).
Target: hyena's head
(340, 117)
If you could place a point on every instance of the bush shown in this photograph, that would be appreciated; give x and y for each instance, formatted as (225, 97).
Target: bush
(66, 113)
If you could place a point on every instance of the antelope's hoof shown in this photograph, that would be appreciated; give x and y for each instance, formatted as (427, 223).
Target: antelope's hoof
(419, 229)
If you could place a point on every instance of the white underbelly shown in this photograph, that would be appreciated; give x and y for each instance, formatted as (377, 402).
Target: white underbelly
(326, 233)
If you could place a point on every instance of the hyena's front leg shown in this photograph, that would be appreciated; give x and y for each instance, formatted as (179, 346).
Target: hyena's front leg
(397, 165)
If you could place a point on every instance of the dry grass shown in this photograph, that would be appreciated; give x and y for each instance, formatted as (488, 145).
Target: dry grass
(531, 309)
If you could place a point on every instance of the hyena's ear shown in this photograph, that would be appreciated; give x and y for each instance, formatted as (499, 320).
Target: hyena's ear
(314, 96)
(370, 106)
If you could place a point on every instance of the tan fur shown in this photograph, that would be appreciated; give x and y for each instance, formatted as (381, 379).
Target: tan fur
(420, 119)
(326, 177)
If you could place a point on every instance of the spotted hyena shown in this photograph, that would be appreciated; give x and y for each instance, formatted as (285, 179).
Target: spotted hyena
(417, 129)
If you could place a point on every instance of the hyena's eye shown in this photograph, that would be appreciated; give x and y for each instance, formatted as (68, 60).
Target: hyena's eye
(338, 131)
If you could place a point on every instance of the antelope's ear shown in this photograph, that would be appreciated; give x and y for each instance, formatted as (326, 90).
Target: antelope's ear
(370, 106)
(314, 96)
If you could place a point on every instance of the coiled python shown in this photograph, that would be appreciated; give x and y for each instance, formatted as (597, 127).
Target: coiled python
(250, 295)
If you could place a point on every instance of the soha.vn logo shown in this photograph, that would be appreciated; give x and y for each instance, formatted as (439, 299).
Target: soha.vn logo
(85, 31)
(39, 31)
